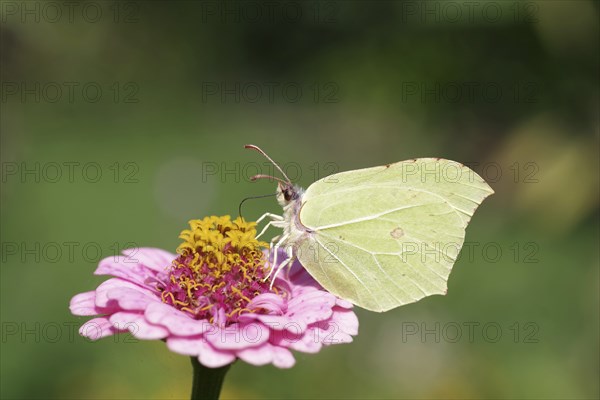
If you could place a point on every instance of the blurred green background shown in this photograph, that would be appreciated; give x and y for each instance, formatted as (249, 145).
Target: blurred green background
(159, 98)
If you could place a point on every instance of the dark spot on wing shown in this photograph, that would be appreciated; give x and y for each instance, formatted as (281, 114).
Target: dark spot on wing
(397, 233)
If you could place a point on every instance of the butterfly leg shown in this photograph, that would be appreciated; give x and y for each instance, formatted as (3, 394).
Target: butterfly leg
(276, 220)
(275, 250)
(276, 224)
(274, 217)
(271, 245)
(289, 259)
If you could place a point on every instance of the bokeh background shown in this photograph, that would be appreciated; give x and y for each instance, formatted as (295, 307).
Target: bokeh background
(122, 120)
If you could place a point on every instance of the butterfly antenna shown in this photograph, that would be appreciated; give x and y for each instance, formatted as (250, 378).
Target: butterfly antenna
(250, 198)
(262, 176)
(253, 147)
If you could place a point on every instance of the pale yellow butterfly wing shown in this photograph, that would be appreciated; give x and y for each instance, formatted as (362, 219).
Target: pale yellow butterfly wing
(387, 236)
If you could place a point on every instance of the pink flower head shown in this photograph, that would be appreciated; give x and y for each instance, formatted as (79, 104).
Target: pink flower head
(212, 300)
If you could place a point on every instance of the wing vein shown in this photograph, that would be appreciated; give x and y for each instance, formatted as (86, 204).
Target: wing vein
(394, 282)
(349, 270)
(374, 254)
(370, 217)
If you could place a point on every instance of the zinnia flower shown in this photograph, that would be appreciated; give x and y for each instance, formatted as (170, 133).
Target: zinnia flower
(211, 301)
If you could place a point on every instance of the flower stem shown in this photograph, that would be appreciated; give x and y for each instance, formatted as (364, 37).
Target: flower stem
(207, 382)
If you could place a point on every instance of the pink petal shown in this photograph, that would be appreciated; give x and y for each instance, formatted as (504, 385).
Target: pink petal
(151, 257)
(212, 358)
(304, 289)
(328, 333)
(188, 346)
(97, 328)
(269, 301)
(267, 353)
(197, 346)
(275, 322)
(102, 291)
(311, 297)
(343, 303)
(305, 342)
(261, 355)
(310, 313)
(177, 322)
(131, 299)
(311, 307)
(283, 358)
(235, 337)
(345, 320)
(298, 276)
(125, 268)
(138, 326)
(84, 304)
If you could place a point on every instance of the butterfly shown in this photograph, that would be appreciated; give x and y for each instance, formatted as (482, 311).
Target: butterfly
(379, 237)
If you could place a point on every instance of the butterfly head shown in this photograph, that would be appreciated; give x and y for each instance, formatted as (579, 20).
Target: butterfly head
(287, 193)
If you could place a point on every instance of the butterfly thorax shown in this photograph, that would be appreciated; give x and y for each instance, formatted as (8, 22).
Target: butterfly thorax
(290, 198)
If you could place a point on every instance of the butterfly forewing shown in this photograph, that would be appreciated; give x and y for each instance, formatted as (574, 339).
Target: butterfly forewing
(386, 236)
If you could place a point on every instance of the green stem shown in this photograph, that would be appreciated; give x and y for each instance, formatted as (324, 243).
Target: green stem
(207, 382)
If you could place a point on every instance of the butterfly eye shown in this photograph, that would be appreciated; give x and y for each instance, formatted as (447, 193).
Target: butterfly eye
(287, 194)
